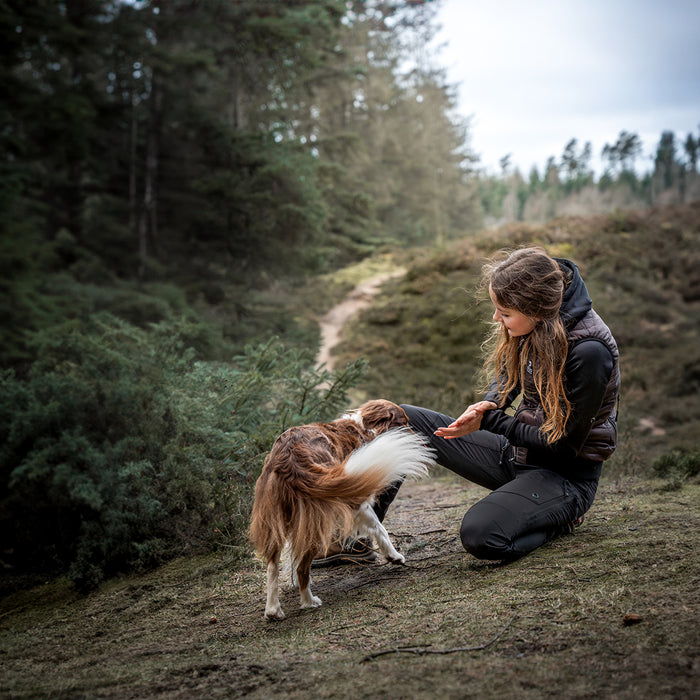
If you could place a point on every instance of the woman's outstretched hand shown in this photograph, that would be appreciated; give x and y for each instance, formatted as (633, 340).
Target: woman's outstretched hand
(468, 422)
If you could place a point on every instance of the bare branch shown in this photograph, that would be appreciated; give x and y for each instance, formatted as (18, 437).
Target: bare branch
(422, 650)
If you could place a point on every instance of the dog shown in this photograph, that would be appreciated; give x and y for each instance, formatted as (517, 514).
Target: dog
(318, 483)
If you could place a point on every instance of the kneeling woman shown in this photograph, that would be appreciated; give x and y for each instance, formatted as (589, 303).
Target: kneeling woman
(543, 463)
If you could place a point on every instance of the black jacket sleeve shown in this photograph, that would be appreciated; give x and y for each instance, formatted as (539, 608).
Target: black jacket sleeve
(587, 372)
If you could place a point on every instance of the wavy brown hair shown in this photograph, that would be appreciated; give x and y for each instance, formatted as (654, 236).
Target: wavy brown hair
(531, 282)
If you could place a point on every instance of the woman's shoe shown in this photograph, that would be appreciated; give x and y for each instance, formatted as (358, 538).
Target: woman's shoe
(570, 527)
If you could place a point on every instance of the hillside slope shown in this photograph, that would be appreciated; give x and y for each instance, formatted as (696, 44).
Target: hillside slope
(610, 611)
(422, 334)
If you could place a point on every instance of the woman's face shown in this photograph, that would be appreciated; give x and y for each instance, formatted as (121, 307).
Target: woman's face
(515, 323)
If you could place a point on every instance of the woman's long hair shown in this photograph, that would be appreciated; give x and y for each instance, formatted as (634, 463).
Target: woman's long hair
(531, 282)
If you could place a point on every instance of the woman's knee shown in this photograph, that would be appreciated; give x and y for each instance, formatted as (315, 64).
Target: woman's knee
(483, 538)
(421, 419)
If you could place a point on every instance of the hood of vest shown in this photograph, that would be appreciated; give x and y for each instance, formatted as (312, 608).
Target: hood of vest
(576, 302)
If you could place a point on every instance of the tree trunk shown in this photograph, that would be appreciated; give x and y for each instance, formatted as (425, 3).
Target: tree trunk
(148, 220)
(133, 138)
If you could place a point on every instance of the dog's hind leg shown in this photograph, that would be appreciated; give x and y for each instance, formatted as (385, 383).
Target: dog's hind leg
(308, 599)
(273, 609)
(369, 525)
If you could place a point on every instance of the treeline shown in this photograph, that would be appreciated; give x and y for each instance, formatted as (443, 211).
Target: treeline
(568, 185)
(161, 159)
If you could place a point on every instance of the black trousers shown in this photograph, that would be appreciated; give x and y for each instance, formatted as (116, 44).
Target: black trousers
(527, 506)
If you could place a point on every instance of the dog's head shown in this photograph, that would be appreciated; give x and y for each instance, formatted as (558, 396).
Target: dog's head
(380, 415)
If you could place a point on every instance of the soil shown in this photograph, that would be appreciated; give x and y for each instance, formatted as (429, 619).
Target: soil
(608, 612)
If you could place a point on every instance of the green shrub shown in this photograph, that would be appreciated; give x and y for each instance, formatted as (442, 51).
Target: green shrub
(119, 450)
(679, 463)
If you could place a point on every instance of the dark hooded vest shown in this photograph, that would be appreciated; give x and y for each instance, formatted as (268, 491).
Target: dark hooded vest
(602, 438)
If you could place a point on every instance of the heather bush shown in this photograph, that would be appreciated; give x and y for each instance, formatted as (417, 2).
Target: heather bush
(119, 450)
(679, 464)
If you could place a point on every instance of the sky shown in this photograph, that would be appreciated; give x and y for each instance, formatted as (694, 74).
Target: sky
(533, 74)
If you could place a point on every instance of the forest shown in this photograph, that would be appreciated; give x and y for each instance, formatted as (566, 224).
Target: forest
(177, 178)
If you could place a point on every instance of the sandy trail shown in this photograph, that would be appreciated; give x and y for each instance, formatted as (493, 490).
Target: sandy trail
(332, 323)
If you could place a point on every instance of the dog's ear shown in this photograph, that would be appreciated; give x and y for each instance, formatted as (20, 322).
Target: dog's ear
(380, 415)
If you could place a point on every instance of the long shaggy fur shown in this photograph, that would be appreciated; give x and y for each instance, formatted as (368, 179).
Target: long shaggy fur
(316, 480)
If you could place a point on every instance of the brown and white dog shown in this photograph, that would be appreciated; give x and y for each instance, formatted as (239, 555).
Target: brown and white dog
(318, 483)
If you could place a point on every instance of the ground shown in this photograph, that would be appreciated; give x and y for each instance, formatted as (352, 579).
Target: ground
(610, 611)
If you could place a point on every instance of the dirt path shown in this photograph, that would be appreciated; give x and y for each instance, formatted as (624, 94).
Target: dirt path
(332, 323)
(554, 624)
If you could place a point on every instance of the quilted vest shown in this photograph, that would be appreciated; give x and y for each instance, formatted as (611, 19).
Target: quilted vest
(602, 437)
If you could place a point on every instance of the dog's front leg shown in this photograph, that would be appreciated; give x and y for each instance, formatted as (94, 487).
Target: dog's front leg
(368, 524)
(308, 599)
(273, 609)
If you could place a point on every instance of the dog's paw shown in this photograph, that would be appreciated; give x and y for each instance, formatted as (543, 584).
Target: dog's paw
(313, 602)
(398, 559)
(274, 613)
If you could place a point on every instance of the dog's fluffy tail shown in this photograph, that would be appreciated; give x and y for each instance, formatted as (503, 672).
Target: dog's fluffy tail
(396, 454)
(392, 456)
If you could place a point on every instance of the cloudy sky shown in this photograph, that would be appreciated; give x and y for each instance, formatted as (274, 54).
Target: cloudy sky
(534, 74)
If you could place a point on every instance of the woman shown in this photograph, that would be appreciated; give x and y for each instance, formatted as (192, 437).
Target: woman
(543, 463)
